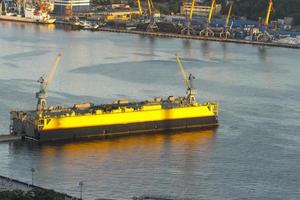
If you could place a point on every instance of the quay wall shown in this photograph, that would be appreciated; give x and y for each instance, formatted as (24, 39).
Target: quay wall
(193, 37)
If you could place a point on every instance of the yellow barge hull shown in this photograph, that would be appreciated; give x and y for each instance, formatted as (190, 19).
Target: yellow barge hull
(117, 122)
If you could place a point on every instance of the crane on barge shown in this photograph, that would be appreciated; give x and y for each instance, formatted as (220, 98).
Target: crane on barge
(44, 85)
(191, 92)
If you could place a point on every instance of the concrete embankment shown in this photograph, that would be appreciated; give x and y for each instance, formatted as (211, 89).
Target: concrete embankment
(194, 37)
(8, 184)
(9, 138)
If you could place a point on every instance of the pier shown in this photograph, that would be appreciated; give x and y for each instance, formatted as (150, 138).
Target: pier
(194, 37)
(16, 19)
(9, 138)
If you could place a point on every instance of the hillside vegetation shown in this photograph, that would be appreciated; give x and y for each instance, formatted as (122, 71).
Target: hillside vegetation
(255, 9)
(252, 9)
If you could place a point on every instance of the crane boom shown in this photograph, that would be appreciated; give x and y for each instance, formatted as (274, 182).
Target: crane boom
(151, 4)
(190, 91)
(44, 84)
(52, 72)
(149, 7)
(192, 10)
(185, 79)
(213, 4)
(229, 14)
(140, 7)
(270, 8)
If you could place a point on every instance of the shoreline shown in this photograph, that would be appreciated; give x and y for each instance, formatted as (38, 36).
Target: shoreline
(194, 37)
(162, 34)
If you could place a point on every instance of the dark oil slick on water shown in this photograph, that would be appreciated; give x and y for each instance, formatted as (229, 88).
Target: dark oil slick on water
(254, 154)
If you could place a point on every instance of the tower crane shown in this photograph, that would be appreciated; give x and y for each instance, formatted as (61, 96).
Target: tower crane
(188, 29)
(190, 91)
(229, 14)
(225, 32)
(213, 5)
(207, 31)
(140, 7)
(265, 35)
(152, 27)
(270, 8)
(44, 85)
(149, 3)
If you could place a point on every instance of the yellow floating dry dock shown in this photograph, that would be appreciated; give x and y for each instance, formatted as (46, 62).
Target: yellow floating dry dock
(121, 117)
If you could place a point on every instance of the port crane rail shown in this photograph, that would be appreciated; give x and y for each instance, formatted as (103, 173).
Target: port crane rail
(207, 31)
(190, 91)
(44, 85)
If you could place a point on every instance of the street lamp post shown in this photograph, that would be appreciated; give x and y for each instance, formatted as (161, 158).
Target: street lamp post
(32, 172)
(80, 186)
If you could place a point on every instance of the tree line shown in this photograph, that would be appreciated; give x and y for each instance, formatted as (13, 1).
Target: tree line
(258, 8)
(251, 9)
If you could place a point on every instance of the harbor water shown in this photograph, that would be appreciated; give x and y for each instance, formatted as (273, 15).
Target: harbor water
(254, 153)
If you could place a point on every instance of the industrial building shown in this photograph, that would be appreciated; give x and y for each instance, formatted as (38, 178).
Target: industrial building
(76, 5)
(199, 10)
